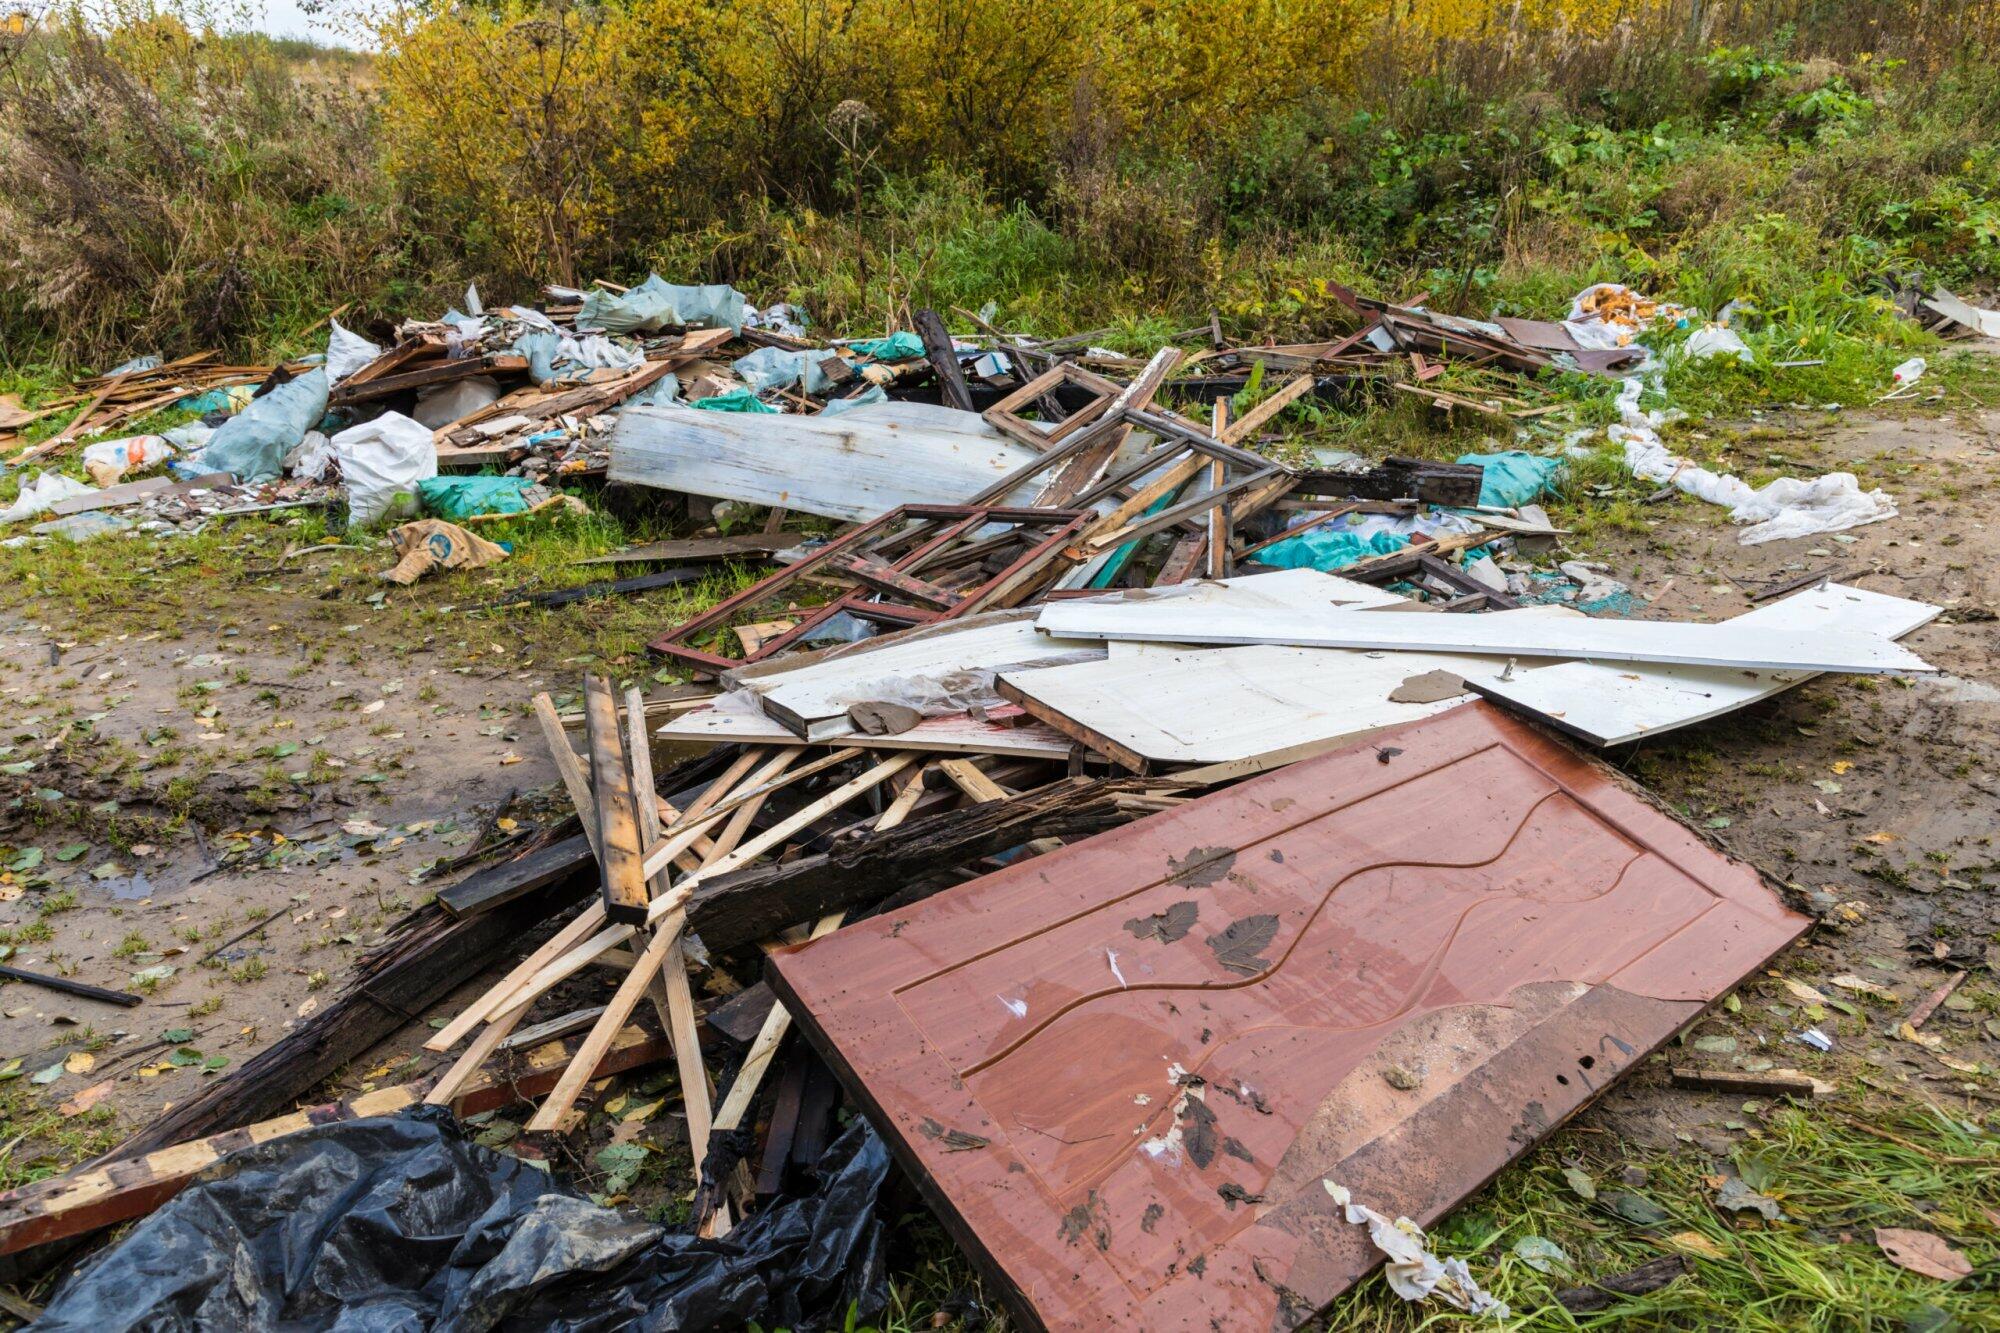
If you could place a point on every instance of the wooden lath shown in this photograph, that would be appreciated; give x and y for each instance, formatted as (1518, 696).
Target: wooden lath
(918, 564)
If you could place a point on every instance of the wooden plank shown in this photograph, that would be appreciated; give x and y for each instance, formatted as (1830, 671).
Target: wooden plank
(743, 907)
(938, 351)
(1174, 1032)
(695, 550)
(1508, 633)
(956, 733)
(856, 466)
(1248, 424)
(496, 885)
(618, 852)
(348, 391)
(90, 1199)
(1613, 705)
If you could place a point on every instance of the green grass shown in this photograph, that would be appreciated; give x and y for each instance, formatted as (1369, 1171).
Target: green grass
(1818, 1269)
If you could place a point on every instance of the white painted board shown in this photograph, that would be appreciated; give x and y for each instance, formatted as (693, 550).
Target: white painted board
(954, 734)
(1508, 633)
(1215, 705)
(1610, 705)
(855, 466)
(1297, 589)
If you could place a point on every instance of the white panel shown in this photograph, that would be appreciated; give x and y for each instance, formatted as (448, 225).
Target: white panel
(957, 734)
(855, 466)
(1501, 632)
(1610, 705)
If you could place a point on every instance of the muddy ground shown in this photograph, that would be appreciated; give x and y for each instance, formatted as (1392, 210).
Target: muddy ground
(324, 750)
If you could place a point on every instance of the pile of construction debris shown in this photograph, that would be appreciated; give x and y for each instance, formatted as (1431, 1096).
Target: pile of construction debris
(1167, 903)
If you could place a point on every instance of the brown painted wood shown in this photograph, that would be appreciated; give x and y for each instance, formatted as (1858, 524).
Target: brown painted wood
(1122, 1070)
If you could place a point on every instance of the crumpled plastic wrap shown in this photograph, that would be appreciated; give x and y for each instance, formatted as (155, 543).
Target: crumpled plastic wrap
(655, 303)
(402, 1223)
(1775, 511)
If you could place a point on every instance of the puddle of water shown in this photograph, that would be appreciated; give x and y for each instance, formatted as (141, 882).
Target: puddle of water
(126, 888)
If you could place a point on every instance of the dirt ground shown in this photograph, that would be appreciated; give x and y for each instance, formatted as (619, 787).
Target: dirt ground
(325, 755)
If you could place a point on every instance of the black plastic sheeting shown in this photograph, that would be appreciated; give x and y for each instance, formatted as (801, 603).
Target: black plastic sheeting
(401, 1223)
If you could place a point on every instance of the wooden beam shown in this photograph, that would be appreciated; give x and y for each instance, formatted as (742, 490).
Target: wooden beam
(952, 390)
(618, 853)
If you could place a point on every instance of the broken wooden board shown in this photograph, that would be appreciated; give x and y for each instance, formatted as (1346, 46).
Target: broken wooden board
(811, 697)
(1122, 1071)
(94, 1197)
(1508, 633)
(856, 466)
(696, 550)
(955, 733)
(1610, 705)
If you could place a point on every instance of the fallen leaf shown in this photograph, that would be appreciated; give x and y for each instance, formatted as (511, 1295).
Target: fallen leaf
(1921, 1252)
(1848, 981)
(80, 1062)
(1580, 1182)
(1924, 1039)
(1840, 766)
(1829, 786)
(1693, 1242)
(88, 1098)
(1738, 1197)
(1635, 1208)
(1800, 990)
(1539, 1254)
(1880, 839)
(509, 758)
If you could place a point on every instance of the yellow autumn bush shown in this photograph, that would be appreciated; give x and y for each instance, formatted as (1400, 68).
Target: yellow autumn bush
(546, 131)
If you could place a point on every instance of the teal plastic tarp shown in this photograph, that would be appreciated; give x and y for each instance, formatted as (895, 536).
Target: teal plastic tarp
(460, 498)
(1514, 478)
(655, 303)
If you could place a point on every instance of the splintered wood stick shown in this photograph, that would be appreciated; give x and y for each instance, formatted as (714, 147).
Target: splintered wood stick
(677, 1014)
(645, 809)
(623, 1001)
(682, 838)
(968, 778)
(763, 1050)
(784, 829)
(585, 924)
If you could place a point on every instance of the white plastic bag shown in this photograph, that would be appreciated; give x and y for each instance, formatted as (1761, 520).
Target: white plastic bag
(382, 461)
(347, 352)
(108, 460)
(41, 494)
(1717, 341)
(443, 404)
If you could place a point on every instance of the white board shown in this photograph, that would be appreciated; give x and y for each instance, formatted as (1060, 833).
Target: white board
(1609, 705)
(1297, 589)
(954, 734)
(1220, 704)
(1508, 633)
(855, 466)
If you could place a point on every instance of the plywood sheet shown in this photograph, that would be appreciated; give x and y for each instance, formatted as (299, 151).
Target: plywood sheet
(1122, 1070)
(1610, 705)
(1507, 632)
(855, 466)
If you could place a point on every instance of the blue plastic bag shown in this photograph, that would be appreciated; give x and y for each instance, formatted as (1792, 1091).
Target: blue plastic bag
(899, 346)
(656, 303)
(253, 443)
(1514, 478)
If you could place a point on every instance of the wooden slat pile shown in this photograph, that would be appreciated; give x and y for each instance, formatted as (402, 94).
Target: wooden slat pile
(658, 864)
(109, 401)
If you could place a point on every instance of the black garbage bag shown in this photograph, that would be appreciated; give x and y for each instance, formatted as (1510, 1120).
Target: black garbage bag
(402, 1223)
